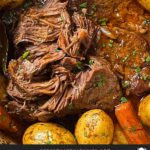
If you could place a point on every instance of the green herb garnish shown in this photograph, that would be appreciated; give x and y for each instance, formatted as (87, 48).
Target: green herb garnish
(126, 84)
(91, 62)
(117, 56)
(125, 58)
(48, 142)
(144, 77)
(110, 44)
(49, 138)
(148, 59)
(146, 21)
(85, 134)
(133, 129)
(79, 65)
(25, 54)
(103, 45)
(83, 5)
(103, 21)
(138, 70)
(57, 50)
(94, 7)
(123, 100)
(111, 41)
(62, 18)
(101, 82)
(134, 52)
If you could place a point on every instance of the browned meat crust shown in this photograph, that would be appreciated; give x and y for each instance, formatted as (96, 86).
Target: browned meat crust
(127, 55)
(59, 76)
(38, 25)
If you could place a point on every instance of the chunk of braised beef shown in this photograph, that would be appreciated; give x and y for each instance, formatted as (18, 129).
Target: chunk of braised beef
(38, 25)
(57, 75)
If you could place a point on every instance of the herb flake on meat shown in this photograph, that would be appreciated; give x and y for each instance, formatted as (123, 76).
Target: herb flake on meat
(25, 54)
(91, 62)
(83, 5)
(101, 81)
(148, 59)
(126, 84)
(137, 70)
(103, 21)
(123, 100)
(79, 65)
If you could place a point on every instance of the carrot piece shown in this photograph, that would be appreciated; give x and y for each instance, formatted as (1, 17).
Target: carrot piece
(6, 122)
(130, 124)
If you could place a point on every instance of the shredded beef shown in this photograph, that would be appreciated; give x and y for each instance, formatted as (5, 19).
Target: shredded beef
(61, 74)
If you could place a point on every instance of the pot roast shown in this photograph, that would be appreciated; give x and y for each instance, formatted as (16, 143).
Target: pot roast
(71, 63)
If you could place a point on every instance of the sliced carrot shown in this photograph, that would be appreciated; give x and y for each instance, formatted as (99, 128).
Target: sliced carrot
(6, 122)
(130, 124)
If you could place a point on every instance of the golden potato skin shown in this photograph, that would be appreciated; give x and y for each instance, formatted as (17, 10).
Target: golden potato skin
(144, 111)
(145, 4)
(10, 3)
(119, 137)
(94, 127)
(47, 133)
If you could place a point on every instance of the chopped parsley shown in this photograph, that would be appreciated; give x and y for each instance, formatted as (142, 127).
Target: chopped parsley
(123, 100)
(91, 62)
(48, 142)
(146, 22)
(62, 18)
(57, 50)
(126, 84)
(83, 5)
(137, 70)
(79, 65)
(103, 21)
(25, 54)
(125, 58)
(85, 133)
(110, 44)
(49, 138)
(144, 77)
(134, 53)
(101, 82)
(117, 56)
(94, 7)
(148, 59)
(133, 129)
(103, 45)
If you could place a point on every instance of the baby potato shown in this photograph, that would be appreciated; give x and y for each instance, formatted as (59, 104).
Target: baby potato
(144, 111)
(119, 137)
(145, 4)
(94, 127)
(10, 3)
(47, 133)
